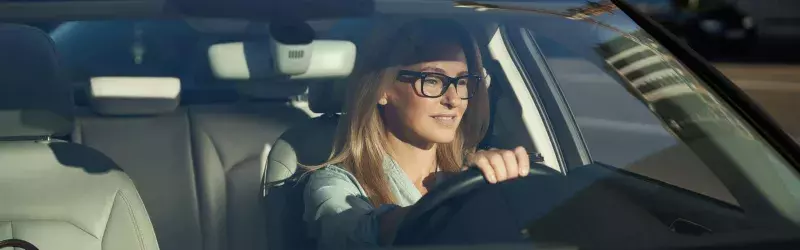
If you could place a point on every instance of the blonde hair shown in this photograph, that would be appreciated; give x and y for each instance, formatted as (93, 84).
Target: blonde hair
(360, 140)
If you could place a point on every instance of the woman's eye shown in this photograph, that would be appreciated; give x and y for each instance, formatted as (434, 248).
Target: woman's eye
(431, 81)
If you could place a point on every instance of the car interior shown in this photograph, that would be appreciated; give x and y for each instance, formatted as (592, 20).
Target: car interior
(196, 152)
(167, 134)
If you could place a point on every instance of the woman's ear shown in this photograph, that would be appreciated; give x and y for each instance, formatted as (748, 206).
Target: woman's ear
(383, 100)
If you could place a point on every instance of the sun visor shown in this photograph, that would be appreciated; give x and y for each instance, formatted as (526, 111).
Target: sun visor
(264, 60)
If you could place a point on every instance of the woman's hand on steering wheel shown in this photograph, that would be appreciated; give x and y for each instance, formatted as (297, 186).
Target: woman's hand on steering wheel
(501, 164)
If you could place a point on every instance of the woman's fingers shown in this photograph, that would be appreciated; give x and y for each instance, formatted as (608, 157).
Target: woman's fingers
(498, 165)
(482, 163)
(523, 161)
(511, 164)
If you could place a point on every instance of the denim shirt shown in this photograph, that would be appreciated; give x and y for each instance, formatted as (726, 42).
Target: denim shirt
(338, 212)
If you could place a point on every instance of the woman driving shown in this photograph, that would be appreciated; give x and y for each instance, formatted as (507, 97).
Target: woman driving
(416, 110)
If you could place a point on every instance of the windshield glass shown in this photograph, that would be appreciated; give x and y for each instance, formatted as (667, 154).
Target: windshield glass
(621, 87)
(579, 85)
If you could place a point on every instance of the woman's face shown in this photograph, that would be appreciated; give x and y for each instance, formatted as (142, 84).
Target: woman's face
(425, 121)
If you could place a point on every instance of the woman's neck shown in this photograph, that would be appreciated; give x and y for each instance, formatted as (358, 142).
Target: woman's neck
(417, 162)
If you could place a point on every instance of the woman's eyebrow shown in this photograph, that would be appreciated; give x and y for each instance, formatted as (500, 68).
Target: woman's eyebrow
(434, 69)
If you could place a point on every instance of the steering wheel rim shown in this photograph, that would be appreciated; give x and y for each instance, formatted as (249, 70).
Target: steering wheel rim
(420, 223)
(462, 183)
(17, 243)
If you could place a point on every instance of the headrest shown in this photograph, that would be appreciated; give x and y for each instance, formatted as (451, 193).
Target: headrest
(263, 60)
(134, 95)
(35, 99)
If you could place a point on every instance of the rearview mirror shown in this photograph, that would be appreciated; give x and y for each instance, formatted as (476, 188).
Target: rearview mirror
(290, 52)
(262, 60)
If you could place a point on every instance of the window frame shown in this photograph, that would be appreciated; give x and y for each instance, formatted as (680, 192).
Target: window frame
(543, 84)
(533, 114)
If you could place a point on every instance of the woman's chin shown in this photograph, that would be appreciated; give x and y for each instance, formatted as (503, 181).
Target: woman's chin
(441, 137)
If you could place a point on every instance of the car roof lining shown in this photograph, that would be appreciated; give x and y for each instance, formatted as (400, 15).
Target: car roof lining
(68, 10)
(80, 10)
(137, 9)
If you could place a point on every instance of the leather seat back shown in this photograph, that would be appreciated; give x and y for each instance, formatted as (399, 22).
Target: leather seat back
(148, 137)
(230, 144)
(306, 144)
(56, 195)
(199, 167)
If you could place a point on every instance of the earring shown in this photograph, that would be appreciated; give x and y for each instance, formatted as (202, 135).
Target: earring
(382, 101)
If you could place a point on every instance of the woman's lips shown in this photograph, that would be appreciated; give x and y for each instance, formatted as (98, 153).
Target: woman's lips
(447, 120)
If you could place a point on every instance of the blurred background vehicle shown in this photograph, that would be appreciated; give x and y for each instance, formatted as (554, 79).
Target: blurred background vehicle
(752, 42)
(713, 28)
(777, 19)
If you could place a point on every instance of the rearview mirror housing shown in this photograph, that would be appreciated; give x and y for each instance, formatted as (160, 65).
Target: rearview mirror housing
(260, 60)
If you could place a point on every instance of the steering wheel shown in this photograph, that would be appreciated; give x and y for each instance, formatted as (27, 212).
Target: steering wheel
(427, 217)
(412, 229)
(17, 243)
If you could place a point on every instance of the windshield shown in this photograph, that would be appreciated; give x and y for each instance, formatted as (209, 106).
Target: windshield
(577, 84)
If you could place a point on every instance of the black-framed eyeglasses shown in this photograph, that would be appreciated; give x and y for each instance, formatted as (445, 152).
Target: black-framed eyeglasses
(432, 85)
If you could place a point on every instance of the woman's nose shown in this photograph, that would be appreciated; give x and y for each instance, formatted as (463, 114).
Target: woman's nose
(451, 98)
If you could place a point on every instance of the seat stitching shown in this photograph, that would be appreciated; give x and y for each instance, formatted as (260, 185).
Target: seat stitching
(135, 223)
(53, 220)
(152, 232)
(195, 137)
(82, 229)
(242, 162)
(207, 227)
(216, 150)
(270, 184)
(285, 166)
(105, 230)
